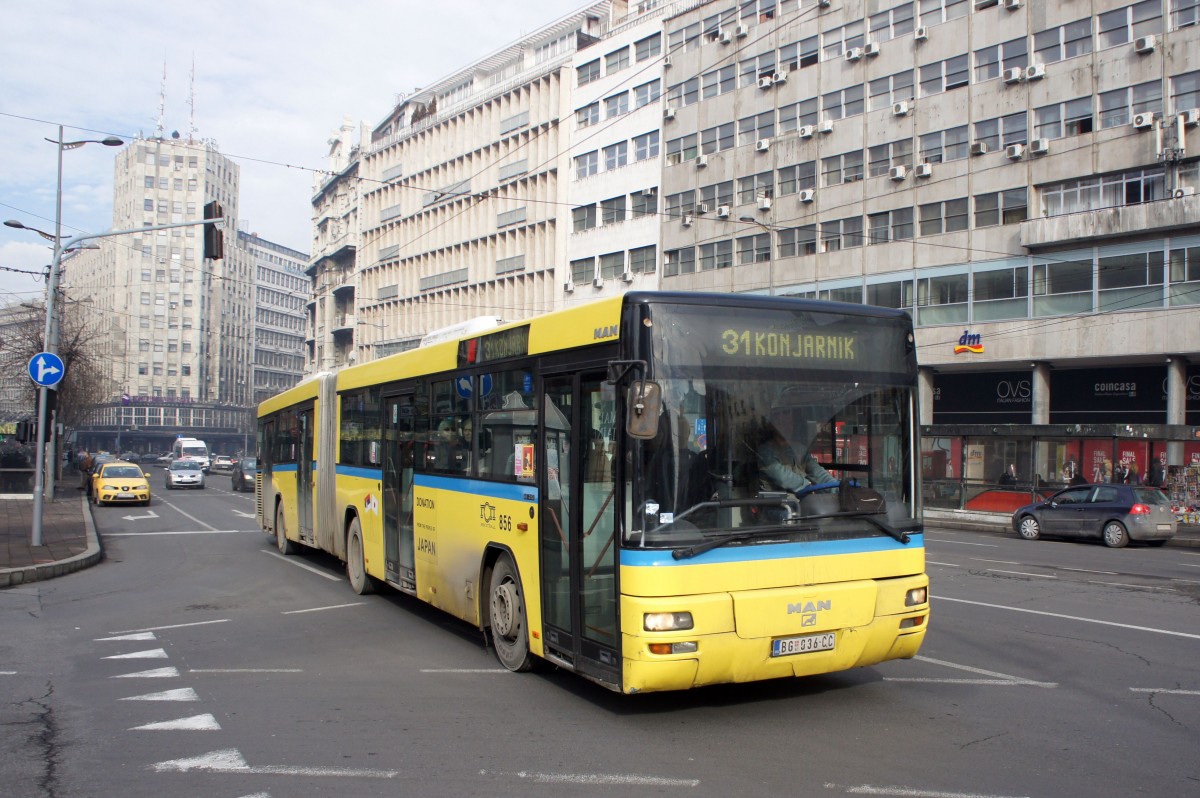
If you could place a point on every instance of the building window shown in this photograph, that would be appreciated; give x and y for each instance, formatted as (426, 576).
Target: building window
(642, 260)
(616, 60)
(588, 115)
(753, 128)
(648, 47)
(1185, 276)
(1000, 293)
(751, 69)
(684, 94)
(683, 39)
(887, 226)
(844, 168)
(1185, 91)
(801, 54)
(583, 270)
(796, 115)
(884, 156)
(717, 194)
(837, 234)
(644, 203)
(754, 248)
(1129, 281)
(1065, 41)
(612, 265)
(616, 155)
(844, 103)
(944, 217)
(681, 204)
(647, 93)
(1061, 287)
(612, 210)
(583, 217)
(933, 12)
(1119, 106)
(797, 178)
(1001, 207)
(992, 60)
(887, 25)
(896, 294)
(754, 187)
(716, 255)
(718, 82)
(679, 261)
(588, 73)
(645, 146)
(839, 40)
(891, 89)
(719, 138)
(1103, 191)
(945, 145)
(1063, 119)
(616, 105)
(1002, 131)
(587, 164)
(681, 149)
(1129, 23)
(953, 73)
(798, 241)
(942, 300)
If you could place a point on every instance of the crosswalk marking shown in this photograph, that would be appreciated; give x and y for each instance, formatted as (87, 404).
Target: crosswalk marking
(154, 653)
(138, 636)
(182, 694)
(154, 673)
(195, 723)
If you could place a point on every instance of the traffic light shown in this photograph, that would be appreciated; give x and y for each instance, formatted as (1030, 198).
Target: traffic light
(26, 431)
(214, 237)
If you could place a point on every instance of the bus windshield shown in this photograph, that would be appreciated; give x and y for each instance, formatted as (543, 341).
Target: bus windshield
(193, 450)
(765, 421)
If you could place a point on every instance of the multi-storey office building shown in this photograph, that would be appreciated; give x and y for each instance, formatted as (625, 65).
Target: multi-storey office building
(463, 188)
(1021, 177)
(281, 290)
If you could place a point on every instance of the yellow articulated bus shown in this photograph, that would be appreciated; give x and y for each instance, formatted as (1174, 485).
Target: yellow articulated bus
(606, 488)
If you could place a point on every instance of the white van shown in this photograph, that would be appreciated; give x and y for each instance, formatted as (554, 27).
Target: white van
(192, 449)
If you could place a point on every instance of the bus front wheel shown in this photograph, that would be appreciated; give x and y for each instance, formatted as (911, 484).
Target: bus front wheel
(284, 545)
(506, 616)
(356, 566)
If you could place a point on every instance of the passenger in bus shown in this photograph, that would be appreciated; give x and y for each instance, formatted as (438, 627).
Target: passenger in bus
(778, 463)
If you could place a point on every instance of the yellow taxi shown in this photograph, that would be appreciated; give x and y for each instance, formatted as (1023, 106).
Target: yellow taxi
(120, 483)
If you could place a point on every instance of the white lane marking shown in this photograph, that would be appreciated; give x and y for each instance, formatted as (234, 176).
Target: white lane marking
(1164, 690)
(1001, 562)
(190, 517)
(182, 694)
(194, 723)
(463, 670)
(909, 792)
(184, 532)
(962, 543)
(258, 795)
(231, 760)
(1186, 581)
(947, 564)
(176, 626)
(1124, 584)
(8, 673)
(153, 653)
(292, 561)
(244, 515)
(1017, 573)
(993, 682)
(246, 670)
(1071, 617)
(155, 673)
(1087, 571)
(138, 636)
(1008, 678)
(322, 609)
(606, 779)
(149, 514)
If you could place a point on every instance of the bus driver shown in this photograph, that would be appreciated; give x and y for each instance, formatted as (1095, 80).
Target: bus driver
(777, 460)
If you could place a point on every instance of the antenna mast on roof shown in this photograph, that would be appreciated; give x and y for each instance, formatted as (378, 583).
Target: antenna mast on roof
(162, 104)
(192, 104)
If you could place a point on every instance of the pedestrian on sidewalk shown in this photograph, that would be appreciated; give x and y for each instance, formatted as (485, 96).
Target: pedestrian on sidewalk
(86, 461)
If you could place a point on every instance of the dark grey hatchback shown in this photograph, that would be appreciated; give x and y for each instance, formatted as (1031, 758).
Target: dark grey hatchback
(1114, 513)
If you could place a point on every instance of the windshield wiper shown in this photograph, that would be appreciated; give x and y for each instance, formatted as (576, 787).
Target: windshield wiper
(868, 516)
(715, 543)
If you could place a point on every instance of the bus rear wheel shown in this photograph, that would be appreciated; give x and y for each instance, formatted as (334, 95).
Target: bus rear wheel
(506, 617)
(282, 543)
(356, 567)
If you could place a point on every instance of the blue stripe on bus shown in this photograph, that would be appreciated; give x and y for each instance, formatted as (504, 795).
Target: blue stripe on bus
(358, 471)
(277, 467)
(771, 551)
(477, 487)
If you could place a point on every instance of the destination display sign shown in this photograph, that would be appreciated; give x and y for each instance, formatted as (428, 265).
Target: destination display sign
(494, 346)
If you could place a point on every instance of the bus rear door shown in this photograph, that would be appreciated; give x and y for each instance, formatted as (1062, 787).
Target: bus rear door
(398, 462)
(305, 476)
(578, 521)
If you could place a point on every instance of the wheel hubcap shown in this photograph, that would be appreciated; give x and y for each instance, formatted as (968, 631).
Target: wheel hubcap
(504, 600)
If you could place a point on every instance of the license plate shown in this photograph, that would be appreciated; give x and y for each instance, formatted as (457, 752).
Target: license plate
(1164, 527)
(803, 644)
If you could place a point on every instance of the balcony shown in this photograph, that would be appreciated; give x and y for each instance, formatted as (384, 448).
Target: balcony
(1119, 222)
(344, 324)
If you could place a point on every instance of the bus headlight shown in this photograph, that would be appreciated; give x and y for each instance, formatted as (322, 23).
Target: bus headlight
(666, 621)
(916, 596)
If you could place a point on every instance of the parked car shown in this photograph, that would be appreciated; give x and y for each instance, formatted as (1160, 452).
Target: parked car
(1114, 513)
(244, 471)
(222, 462)
(120, 483)
(185, 474)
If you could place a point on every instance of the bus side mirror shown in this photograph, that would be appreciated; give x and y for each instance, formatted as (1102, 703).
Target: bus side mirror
(643, 404)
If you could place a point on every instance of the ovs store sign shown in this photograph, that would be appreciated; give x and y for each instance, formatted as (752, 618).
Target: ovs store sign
(969, 342)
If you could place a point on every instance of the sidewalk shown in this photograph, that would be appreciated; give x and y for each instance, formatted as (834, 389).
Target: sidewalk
(69, 540)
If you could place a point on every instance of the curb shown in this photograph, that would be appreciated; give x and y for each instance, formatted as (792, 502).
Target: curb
(990, 523)
(11, 577)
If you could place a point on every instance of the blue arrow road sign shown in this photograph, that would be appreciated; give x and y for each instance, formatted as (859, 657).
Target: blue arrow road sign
(46, 369)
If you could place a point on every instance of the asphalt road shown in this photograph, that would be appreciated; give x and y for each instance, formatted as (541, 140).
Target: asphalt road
(196, 661)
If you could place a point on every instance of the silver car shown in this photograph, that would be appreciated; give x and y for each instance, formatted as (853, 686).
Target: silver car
(1116, 514)
(185, 474)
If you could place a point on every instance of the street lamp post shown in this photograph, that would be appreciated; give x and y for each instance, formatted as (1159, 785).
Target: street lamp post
(770, 250)
(50, 341)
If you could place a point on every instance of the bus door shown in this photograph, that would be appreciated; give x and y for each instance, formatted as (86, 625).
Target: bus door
(305, 476)
(398, 460)
(578, 522)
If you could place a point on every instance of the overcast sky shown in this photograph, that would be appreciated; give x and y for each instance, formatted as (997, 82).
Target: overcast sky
(273, 79)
